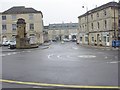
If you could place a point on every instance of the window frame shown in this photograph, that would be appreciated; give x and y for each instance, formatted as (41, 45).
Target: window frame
(4, 17)
(4, 27)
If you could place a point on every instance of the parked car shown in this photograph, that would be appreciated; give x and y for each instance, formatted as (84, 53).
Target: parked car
(66, 40)
(6, 43)
(74, 40)
(12, 45)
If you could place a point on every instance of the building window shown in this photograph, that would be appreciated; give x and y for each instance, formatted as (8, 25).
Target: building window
(3, 17)
(14, 27)
(30, 16)
(92, 25)
(4, 27)
(92, 17)
(92, 39)
(86, 39)
(13, 17)
(108, 39)
(97, 14)
(104, 38)
(31, 26)
(98, 25)
(80, 38)
(105, 23)
(105, 12)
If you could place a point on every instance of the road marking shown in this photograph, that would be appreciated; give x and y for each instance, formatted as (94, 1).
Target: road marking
(49, 56)
(75, 48)
(28, 51)
(87, 56)
(58, 56)
(114, 62)
(57, 85)
(8, 54)
(106, 57)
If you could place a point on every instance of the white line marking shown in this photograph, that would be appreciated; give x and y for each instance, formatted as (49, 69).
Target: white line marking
(14, 53)
(28, 51)
(75, 48)
(106, 57)
(58, 56)
(114, 62)
(87, 56)
(49, 56)
(9, 53)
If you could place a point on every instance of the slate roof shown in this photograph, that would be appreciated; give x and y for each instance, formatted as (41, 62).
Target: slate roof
(20, 10)
(110, 4)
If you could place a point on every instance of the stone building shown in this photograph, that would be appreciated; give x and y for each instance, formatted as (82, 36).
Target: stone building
(34, 23)
(62, 31)
(99, 26)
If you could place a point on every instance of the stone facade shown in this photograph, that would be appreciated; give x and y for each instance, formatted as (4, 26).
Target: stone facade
(99, 26)
(33, 18)
(62, 31)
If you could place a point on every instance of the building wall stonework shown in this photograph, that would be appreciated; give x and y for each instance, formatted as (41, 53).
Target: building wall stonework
(99, 26)
(62, 31)
(34, 25)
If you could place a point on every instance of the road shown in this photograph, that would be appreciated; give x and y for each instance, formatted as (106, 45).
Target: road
(60, 64)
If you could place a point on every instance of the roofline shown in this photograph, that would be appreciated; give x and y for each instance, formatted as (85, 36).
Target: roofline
(109, 4)
(4, 12)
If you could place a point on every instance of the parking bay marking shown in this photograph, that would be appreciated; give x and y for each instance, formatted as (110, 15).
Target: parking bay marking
(57, 85)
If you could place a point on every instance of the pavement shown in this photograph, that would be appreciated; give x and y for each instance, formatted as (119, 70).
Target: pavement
(101, 47)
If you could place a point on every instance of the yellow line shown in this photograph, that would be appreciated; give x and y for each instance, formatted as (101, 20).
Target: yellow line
(57, 85)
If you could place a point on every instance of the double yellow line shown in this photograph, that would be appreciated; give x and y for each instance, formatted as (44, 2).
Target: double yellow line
(57, 85)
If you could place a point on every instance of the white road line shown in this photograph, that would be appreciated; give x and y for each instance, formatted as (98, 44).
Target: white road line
(14, 53)
(113, 62)
(49, 56)
(28, 51)
(87, 56)
(106, 57)
(58, 56)
(9, 53)
(75, 48)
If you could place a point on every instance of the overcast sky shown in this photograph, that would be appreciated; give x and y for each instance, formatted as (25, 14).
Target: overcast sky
(56, 11)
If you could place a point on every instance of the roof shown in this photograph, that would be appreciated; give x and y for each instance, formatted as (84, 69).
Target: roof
(63, 26)
(20, 10)
(110, 4)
